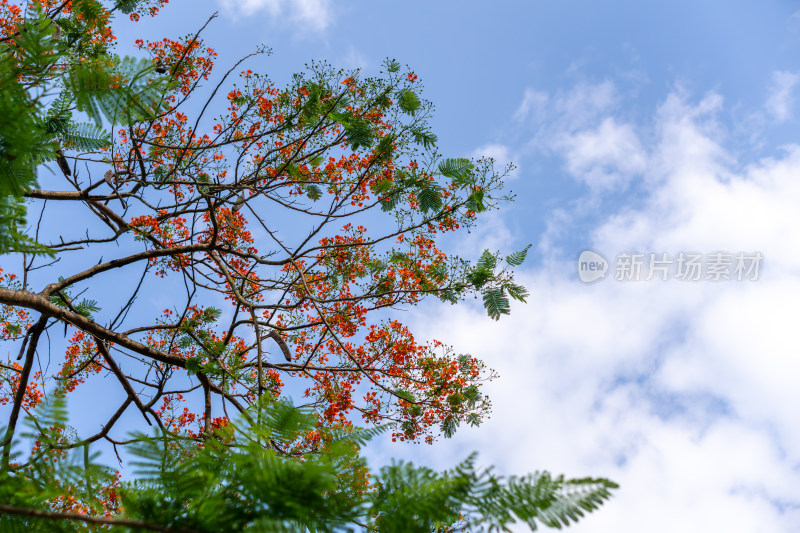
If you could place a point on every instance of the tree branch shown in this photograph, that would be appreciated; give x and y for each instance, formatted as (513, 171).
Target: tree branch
(22, 387)
(39, 303)
(123, 522)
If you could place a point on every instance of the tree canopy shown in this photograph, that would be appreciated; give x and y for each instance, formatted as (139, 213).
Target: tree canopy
(212, 244)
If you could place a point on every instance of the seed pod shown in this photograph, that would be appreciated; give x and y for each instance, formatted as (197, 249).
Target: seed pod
(62, 163)
(282, 344)
(239, 202)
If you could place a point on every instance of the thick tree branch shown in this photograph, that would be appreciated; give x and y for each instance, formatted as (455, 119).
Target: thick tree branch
(22, 387)
(121, 522)
(39, 303)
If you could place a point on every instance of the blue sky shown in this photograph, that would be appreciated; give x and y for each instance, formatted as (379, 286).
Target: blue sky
(651, 127)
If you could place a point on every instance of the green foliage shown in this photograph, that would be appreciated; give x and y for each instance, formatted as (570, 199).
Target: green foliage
(476, 201)
(392, 65)
(104, 86)
(88, 10)
(458, 169)
(357, 130)
(390, 202)
(313, 192)
(495, 286)
(417, 499)
(63, 299)
(121, 90)
(263, 471)
(496, 302)
(483, 271)
(430, 198)
(517, 258)
(128, 6)
(41, 483)
(20, 133)
(384, 150)
(424, 137)
(233, 486)
(84, 136)
(408, 101)
(245, 477)
(518, 292)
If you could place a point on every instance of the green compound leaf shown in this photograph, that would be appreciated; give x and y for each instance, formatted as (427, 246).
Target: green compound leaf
(496, 302)
(409, 102)
(517, 258)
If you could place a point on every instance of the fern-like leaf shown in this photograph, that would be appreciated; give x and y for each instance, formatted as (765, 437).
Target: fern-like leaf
(85, 136)
(128, 6)
(429, 199)
(518, 292)
(392, 65)
(408, 101)
(573, 498)
(358, 133)
(390, 202)
(495, 302)
(426, 138)
(457, 169)
(117, 89)
(313, 192)
(487, 261)
(517, 258)
(384, 150)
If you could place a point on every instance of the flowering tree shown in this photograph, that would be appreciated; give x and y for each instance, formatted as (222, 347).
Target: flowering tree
(207, 265)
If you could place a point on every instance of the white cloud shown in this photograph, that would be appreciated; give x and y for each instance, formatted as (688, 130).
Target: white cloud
(780, 102)
(307, 15)
(584, 103)
(685, 393)
(598, 148)
(604, 157)
(354, 58)
(533, 103)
